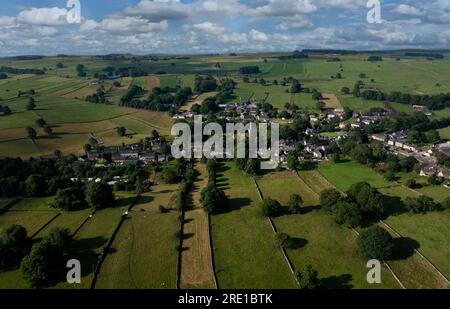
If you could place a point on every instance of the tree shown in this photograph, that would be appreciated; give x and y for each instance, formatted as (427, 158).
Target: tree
(422, 204)
(70, 199)
(213, 199)
(308, 278)
(99, 195)
(329, 198)
(390, 176)
(252, 167)
(48, 130)
(31, 105)
(411, 183)
(14, 244)
(170, 175)
(446, 203)
(375, 243)
(345, 90)
(87, 148)
(295, 204)
(121, 131)
(348, 214)
(31, 133)
(35, 186)
(368, 198)
(46, 259)
(81, 70)
(283, 240)
(292, 162)
(270, 207)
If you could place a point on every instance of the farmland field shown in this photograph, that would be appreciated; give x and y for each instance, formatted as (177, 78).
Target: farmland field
(328, 247)
(144, 251)
(243, 239)
(343, 175)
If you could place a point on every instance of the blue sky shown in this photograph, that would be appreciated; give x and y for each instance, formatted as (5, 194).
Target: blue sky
(219, 26)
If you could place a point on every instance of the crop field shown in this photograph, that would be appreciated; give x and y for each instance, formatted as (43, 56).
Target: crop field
(144, 252)
(245, 252)
(331, 101)
(197, 100)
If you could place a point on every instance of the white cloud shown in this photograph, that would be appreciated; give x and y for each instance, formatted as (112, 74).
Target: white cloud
(210, 28)
(408, 10)
(44, 16)
(298, 22)
(284, 8)
(158, 10)
(256, 35)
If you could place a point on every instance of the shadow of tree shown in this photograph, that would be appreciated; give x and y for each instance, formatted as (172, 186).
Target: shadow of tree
(404, 248)
(236, 204)
(297, 243)
(337, 282)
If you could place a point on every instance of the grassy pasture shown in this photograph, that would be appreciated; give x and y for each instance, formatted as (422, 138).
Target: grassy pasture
(424, 235)
(145, 253)
(344, 175)
(330, 248)
(31, 220)
(168, 80)
(245, 254)
(276, 95)
(93, 236)
(445, 133)
(160, 121)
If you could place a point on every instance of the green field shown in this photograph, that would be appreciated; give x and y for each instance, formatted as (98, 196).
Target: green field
(344, 175)
(145, 253)
(329, 248)
(427, 230)
(244, 249)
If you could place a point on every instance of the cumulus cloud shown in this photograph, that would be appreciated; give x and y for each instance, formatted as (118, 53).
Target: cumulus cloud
(159, 10)
(44, 16)
(284, 8)
(298, 22)
(258, 36)
(208, 27)
(408, 10)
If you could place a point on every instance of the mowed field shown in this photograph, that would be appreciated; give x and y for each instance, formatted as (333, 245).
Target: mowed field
(331, 249)
(196, 259)
(245, 252)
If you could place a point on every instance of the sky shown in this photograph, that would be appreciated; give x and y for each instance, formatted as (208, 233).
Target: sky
(42, 27)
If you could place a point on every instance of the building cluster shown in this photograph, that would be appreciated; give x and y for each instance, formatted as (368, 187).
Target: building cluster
(397, 143)
(150, 151)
